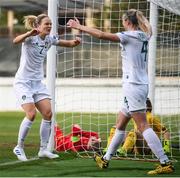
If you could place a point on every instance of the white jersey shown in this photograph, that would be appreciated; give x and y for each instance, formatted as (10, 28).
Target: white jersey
(33, 53)
(134, 56)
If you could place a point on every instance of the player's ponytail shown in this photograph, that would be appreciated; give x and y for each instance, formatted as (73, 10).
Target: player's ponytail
(143, 23)
(32, 21)
(137, 18)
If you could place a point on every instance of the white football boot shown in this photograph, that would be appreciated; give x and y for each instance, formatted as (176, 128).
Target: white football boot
(19, 152)
(44, 153)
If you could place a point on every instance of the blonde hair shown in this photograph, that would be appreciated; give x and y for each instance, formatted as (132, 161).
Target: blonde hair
(32, 21)
(138, 19)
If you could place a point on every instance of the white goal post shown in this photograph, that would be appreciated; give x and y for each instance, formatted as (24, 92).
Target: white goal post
(85, 82)
(51, 67)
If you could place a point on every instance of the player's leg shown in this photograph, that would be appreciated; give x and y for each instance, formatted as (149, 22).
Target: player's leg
(111, 134)
(118, 136)
(122, 121)
(26, 124)
(44, 107)
(24, 97)
(154, 143)
(102, 161)
(137, 107)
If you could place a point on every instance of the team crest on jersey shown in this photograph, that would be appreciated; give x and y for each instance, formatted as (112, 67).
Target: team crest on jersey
(142, 36)
(23, 97)
(46, 44)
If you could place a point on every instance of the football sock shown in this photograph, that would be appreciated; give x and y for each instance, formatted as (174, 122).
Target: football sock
(23, 131)
(45, 130)
(116, 141)
(155, 145)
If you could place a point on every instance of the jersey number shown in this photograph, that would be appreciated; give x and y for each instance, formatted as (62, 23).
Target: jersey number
(144, 49)
(42, 48)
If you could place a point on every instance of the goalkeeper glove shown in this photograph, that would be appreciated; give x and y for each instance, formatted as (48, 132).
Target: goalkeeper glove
(166, 146)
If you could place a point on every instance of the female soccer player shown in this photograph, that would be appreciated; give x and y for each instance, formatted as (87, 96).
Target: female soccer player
(31, 93)
(78, 140)
(134, 43)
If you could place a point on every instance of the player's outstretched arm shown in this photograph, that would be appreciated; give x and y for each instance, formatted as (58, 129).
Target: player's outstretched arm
(21, 38)
(92, 31)
(69, 43)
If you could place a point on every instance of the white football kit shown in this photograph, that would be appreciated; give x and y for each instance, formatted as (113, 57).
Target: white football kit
(27, 85)
(134, 46)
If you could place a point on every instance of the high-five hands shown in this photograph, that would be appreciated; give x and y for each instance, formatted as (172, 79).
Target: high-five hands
(73, 23)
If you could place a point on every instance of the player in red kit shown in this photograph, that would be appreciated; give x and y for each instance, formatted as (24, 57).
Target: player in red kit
(77, 140)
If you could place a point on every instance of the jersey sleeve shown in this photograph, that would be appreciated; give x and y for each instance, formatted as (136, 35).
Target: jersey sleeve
(28, 39)
(54, 40)
(123, 37)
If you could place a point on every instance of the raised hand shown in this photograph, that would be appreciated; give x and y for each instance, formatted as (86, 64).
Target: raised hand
(74, 23)
(34, 32)
(21, 38)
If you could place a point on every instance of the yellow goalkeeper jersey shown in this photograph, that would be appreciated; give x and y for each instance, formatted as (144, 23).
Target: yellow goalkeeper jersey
(155, 124)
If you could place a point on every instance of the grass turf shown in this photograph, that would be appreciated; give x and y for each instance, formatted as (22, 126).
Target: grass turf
(68, 165)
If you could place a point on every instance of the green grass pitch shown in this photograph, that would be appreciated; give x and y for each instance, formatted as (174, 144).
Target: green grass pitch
(67, 165)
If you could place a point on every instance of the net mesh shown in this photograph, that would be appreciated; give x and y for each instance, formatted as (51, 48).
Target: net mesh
(88, 85)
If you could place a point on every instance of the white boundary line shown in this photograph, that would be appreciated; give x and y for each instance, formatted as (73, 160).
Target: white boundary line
(17, 162)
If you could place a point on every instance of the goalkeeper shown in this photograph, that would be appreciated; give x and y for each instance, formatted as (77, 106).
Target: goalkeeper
(134, 141)
(77, 140)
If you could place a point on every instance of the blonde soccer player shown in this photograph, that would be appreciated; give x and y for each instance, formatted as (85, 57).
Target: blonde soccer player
(134, 44)
(30, 92)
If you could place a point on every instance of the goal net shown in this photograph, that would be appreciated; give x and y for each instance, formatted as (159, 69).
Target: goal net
(88, 90)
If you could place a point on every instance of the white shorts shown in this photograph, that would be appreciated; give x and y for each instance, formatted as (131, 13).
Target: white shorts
(134, 98)
(29, 91)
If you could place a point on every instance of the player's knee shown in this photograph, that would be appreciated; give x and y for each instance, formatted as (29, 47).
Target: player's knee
(31, 115)
(47, 115)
